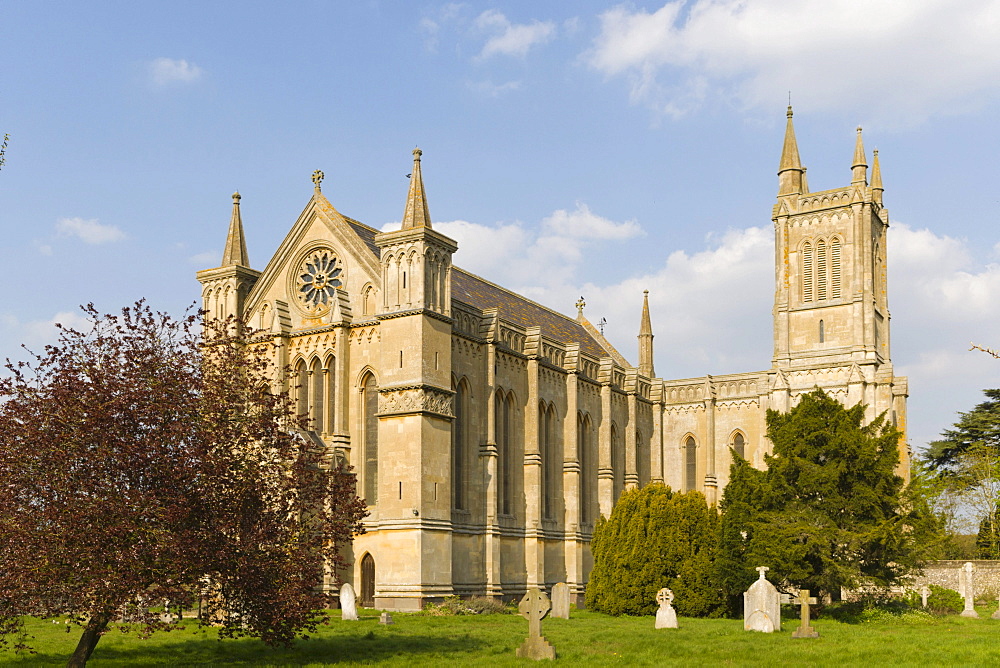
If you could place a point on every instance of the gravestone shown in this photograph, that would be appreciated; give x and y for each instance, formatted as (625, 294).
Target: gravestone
(804, 630)
(666, 617)
(967, 585)
(348, 602)
(762, 605)
(385, 618)
(996, 615)
(533, 607)
(560, 601)
(925, 591)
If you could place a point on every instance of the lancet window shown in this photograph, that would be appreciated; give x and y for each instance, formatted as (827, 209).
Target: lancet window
(369, 428)
(690, 464)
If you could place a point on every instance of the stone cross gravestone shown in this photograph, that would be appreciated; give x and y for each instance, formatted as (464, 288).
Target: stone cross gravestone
(560, 600)
(533, 607)
(925, 591)
(348, 602)
(804, 630)
(666, 617)
(967, 584)
(762, 605)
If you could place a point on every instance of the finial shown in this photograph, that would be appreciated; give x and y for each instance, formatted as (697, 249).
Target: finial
(859, 129)
(417, 153)
(236, 197)
(580, 304)
(762, 570)
(645, 292)
(317, 179)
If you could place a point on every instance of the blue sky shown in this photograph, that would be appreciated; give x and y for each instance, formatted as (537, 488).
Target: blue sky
(640, 139)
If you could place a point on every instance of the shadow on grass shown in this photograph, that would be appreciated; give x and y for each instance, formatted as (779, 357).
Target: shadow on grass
(362, 642)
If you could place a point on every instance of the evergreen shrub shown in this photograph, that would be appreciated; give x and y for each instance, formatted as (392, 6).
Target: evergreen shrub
(941, 601)
(655, 538)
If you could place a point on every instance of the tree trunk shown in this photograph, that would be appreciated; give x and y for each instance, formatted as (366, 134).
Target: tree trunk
(88, 641)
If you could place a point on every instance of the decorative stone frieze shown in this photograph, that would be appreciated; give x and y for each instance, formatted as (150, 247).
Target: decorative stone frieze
(415, 399)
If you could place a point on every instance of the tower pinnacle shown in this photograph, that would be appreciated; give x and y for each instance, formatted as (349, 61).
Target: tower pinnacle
(645, 339)
(416, 213)
(860, 166)
(236, 244)
(790, 169)
(876, 178)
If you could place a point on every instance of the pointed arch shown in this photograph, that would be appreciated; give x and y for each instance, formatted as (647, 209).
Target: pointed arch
(821, 269)
(835, 247)
(317, 393)
(330, 407)
(807, 272)
(584, 445)
(369, 435)
(460, 445)
(690, 446)
(617, 463)
(367, 599)
(738, 442)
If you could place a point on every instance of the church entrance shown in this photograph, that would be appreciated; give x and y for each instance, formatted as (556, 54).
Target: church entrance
(368, 582)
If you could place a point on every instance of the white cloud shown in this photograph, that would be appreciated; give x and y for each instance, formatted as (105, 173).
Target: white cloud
(490, 89)
(896, 58)
(166, 71)
(511, 39)
(36, 334)
(206, 259)
(88, 231)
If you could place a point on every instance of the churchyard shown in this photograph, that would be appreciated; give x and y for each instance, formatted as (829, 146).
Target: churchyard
(587, 638)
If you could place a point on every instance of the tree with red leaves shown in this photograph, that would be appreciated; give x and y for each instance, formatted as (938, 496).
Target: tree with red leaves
(145, 461)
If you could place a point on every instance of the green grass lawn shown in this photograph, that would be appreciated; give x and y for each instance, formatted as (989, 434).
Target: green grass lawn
(586, 639)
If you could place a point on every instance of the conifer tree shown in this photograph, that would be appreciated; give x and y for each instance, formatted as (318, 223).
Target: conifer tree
(655, 538)
(829, 511)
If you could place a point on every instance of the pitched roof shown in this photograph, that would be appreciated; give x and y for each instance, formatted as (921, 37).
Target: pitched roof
(482, 294)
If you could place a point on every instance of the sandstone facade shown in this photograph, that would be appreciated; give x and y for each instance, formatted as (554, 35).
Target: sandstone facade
(489, 432)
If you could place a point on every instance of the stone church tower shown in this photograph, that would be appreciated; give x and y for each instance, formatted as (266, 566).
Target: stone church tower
(489, 432)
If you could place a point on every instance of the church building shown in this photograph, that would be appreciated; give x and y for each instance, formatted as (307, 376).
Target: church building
(489, 432)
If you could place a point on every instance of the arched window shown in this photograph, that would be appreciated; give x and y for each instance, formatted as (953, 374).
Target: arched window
(739, 444)
(317, 405)
(641, 458)
(821, 284)
(690, 464)
(505, 444)
(302, 388)
(822, 332)
(459, 456)
(617, 463)
(369, 403)
(835, 269)
(331, 394)
(583, 440)
(807, 272)
(547, 446)
(369, 301)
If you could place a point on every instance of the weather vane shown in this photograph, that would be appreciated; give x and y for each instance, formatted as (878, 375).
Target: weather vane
(601, 325)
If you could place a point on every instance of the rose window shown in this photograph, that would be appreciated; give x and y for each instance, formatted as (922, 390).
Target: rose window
(318, 278)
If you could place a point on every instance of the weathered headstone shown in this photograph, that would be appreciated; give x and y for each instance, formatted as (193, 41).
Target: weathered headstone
(762, 605)
(560, 600)
(996, 615)
(925, 591)
(385, 618)
(967, 585)
(666, 617)
(348, 602)
(533, 607)
(804, 630)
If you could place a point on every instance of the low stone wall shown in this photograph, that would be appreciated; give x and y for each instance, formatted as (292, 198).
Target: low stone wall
(944, 573)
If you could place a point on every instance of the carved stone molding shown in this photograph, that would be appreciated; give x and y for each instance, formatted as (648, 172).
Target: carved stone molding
(416, 399)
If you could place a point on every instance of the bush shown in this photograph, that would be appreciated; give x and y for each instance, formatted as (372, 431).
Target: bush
(477, 605)
(941, 601)
(655, 538)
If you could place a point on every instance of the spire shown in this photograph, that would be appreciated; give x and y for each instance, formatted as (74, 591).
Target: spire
(790, 169)
(645, 339)
(236, 243)
(860, 166)
(416, 214)
(876, 178)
